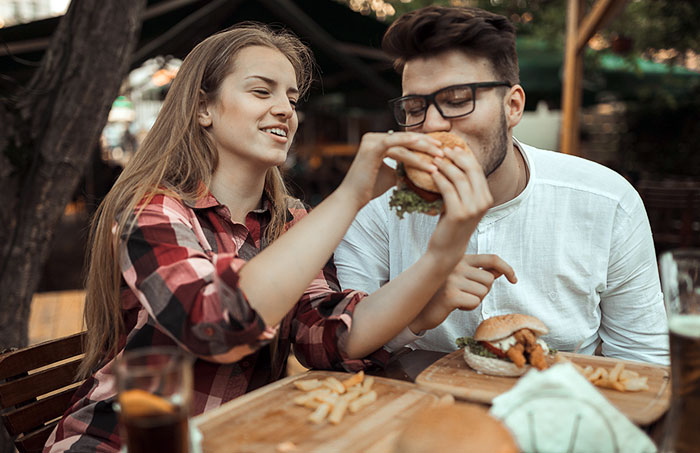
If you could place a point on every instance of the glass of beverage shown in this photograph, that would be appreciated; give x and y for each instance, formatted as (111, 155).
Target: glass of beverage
(680, 280)
(154, 393)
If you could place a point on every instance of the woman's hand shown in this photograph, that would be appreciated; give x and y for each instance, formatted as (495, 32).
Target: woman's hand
(369, 177)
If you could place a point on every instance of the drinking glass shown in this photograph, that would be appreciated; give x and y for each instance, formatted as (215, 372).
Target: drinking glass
(680, 280)
(154, 387)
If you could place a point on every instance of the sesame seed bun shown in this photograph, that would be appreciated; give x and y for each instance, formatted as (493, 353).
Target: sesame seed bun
(455, 428)
(499, 327)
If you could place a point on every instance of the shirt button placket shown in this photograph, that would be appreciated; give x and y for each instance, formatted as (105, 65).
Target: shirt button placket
(482, 243)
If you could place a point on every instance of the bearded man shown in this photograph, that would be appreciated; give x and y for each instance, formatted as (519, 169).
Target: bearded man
(574, 232)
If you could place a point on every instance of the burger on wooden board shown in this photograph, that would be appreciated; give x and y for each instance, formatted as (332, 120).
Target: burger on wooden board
(506, 345)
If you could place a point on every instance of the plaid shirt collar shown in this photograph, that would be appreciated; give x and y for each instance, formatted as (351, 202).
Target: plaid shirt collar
(210, 201)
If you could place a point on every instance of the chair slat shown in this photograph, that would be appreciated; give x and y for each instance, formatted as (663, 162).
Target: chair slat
(28, 387)
(47, 370)
(42, 354)
(35, 441)
(33, 415)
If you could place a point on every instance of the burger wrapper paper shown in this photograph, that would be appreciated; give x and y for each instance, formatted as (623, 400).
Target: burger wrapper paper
(558, 410)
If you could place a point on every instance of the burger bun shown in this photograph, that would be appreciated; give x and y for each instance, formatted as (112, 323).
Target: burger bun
(499, 327)
(422, 179)
(491, 366)
(456, 427)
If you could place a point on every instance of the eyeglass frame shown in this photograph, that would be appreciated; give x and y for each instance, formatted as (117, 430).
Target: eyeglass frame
(430, 100)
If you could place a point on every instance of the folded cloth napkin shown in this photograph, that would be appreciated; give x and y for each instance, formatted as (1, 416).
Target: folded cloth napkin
(558, 410)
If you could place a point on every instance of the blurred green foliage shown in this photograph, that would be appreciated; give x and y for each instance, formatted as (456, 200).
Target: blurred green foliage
(662, 102)
(644, 26)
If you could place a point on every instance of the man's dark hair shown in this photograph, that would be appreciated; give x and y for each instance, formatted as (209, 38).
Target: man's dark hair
(434, 29)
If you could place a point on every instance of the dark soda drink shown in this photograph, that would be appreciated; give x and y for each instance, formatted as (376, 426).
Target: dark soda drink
(683, 419)
(153, 433)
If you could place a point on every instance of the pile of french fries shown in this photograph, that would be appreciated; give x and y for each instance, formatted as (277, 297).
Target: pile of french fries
(617, 378)
(331, 398)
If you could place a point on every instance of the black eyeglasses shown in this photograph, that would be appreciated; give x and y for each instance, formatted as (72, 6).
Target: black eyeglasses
(452, 102)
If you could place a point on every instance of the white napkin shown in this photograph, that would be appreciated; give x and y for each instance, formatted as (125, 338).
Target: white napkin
(558, 410)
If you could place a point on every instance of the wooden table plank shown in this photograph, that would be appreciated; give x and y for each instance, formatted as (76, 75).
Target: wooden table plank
(262, 420)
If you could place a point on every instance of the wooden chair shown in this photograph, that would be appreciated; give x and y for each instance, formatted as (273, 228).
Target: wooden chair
(36, 386)
(673, 208)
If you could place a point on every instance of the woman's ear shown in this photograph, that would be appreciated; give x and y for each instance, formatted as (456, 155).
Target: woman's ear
(514, 105)
(203, 114)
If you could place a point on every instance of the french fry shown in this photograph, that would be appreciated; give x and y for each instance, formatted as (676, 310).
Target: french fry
(636, 384)
(367, 384)
(366, 399)
(352, 394)
(628, 374)
(312, 404)
(338, 411)
(308, 384)
(354, 379)
(599, 373)
(286, 447)
(334, 384)
(587, 371)
(302, 399)
(320, 413)
(607, 383)
(615, 372)
(330, 398)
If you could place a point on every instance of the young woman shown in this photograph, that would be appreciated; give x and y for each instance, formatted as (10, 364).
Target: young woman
(188, 250)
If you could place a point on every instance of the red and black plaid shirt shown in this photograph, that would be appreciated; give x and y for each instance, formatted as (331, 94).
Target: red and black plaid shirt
(180, 268)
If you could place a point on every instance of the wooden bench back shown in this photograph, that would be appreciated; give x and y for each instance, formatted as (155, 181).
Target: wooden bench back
(36, 386)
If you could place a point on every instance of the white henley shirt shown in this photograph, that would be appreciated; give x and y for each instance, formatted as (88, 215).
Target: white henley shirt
(579, 241)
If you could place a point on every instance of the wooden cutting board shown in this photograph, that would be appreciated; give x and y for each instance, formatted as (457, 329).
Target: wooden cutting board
(265, 419)
(452, 374)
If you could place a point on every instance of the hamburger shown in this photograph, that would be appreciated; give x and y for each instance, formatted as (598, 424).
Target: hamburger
(507, 345)
(455, 428)
(416, 191)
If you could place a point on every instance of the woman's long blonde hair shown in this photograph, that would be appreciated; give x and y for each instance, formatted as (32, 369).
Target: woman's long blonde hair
(176, 157)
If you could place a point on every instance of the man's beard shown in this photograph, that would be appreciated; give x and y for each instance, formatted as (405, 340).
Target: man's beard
(499, 146)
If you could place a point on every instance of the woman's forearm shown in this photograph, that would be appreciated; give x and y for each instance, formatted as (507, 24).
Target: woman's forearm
(383, 314)
(274, 280)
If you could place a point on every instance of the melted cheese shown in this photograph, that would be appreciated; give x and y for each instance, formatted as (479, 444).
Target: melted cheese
(507, 342)
(504, 344)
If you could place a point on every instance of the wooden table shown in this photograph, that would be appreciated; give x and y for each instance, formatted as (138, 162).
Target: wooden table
(266, 419)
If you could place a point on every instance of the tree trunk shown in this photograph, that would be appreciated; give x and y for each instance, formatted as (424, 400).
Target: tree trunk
(48, 133)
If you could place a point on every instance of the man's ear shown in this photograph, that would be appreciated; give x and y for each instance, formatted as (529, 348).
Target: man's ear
(203, 114)
(514, 105)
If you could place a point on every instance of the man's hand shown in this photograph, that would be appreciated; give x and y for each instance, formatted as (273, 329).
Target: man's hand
(464, 289)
